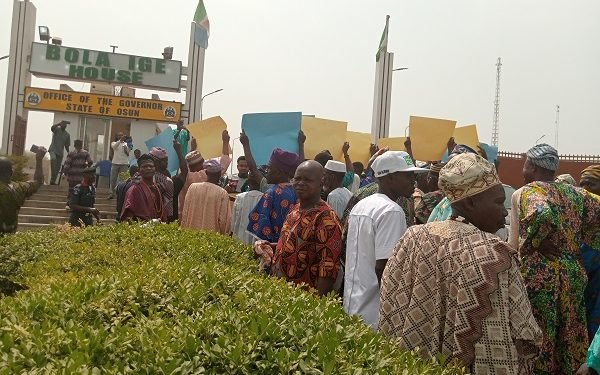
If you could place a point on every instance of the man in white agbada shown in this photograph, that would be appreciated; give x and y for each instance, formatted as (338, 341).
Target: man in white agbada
(337, 195)
(375, 225)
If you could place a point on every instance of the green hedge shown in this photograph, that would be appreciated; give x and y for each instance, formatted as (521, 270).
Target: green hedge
(160, 300)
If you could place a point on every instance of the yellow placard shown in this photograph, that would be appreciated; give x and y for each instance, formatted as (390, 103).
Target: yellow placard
(394, 143)
(467, 135)
(359, 146)
(429, 137)
(322, 134)
(209, 136)
(101, 105)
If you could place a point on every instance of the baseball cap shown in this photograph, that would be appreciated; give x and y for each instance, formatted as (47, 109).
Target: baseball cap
(394, 161)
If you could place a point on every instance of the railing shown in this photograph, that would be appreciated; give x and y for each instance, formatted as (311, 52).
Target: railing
(573, 158)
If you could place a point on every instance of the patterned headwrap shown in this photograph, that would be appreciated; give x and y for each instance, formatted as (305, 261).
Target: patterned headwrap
(566, 179)
(284, 160)
(593, 171)
(544, 156)
(467, 175)
(212, 166)
(193, 157)
(461, 149)
(158, 153)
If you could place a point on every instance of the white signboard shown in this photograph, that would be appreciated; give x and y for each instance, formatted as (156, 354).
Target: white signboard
(86, 65)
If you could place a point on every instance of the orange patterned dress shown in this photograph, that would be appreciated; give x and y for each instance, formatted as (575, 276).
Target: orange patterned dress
(309, 246)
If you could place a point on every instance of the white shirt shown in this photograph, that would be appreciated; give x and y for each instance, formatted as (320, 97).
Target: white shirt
(338, 200)
(375, 225)
(120, 156)
(355, 184)
(244, 203)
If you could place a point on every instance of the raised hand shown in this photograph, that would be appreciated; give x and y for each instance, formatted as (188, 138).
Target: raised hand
(301, 137)
(225, 136)
(244, 139)
(373, 149)
(345, 148)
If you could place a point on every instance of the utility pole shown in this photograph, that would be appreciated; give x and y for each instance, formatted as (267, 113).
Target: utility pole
(556, 121)
(496, 123)
(114, 48)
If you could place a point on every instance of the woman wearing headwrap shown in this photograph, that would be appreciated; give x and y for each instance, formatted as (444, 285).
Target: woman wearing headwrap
(144, 201)
(453, 287)
(207, 204)
(590, 179)
(550, 222)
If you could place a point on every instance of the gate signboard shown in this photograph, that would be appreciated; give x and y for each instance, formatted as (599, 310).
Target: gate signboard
(101, 105)
(78, 64)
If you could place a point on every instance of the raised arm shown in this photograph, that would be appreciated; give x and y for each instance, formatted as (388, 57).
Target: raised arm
(182, 163)
(408, 145)
(347, 160)
(248, 153)
(225, 158)
(53, 127)
(301, 140)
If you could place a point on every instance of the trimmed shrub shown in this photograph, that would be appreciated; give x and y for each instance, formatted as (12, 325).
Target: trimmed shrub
(161, 300)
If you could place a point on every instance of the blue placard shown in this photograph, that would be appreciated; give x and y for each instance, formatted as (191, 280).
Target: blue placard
(268, 131)
(491, 151)
(165, 140)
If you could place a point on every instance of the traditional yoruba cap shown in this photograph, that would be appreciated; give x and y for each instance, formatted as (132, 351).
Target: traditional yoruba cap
(436, 167)
(566, 179)
(158, 153)
(593, 171)
(544, 156)
(284, 160)
(212, 166)
(467, 175)
(392, 162)
(193, 157)
(144, 158)
(335, 166)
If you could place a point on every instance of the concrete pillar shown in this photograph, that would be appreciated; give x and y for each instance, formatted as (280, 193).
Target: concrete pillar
(21, 37)
(382, 100)
(195, 77)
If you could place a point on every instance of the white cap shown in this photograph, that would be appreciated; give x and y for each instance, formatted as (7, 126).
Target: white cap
(394, 161)
(335, 166)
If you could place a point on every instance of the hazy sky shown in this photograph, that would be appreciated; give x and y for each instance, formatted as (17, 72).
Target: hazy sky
(318, 57)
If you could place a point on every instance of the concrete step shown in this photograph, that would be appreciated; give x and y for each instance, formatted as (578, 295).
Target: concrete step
(60, 212)
(61, 205)
(25, 227)
(39, 219)
(60, 188)
(60, 197)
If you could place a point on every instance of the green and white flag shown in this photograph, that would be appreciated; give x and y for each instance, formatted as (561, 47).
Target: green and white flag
(202, 30)
(384, 40)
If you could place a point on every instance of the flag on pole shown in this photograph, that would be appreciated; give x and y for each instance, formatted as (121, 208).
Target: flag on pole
(202, 29)
(384, 39)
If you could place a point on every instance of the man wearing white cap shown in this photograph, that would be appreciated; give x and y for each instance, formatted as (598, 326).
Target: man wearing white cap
(375, 224)
(337, 195)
